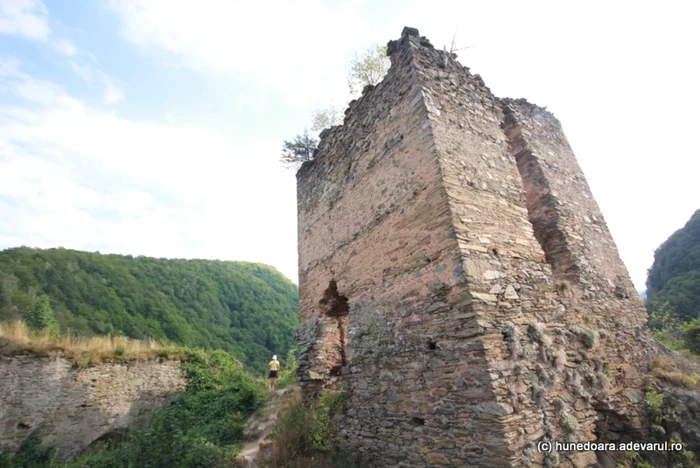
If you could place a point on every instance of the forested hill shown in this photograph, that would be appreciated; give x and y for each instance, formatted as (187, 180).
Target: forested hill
(247, 309)
(674, 278)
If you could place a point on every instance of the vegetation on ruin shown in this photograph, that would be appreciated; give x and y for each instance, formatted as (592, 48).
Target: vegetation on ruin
(203, 427)
(366, 68)
(673, 289)
(663, 423)
(677, 371)
(83, 350)
(249, 310)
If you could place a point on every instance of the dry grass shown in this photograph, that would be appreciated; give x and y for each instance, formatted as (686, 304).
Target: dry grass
(677, 371)
(291, 445)
(16, 337)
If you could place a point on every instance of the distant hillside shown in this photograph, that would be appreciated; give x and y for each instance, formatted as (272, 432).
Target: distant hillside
(247, 309)
(674, 278)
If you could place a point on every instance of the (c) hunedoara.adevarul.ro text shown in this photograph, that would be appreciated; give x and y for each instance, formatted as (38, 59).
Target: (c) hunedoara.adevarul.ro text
(550, 446)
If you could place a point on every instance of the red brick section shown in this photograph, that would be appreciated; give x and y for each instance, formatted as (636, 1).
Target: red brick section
(451, 283)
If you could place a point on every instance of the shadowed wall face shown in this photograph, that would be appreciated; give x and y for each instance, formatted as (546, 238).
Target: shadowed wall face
(74, 406)
(449, 278)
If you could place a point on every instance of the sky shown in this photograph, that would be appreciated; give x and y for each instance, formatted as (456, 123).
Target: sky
(154, 127)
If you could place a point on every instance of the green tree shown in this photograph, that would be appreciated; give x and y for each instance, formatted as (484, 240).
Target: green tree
(367, 67)
(692, 336)
(665, 324)
(299, 150)
(239, 307)
(8, 285)
(40, 316)
(326, 118)
(288, 374)
(674, 278)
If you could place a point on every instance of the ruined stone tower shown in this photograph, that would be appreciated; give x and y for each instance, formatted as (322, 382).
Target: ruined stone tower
(458, 280)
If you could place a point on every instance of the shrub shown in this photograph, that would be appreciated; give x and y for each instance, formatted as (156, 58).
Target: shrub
(691, 336)
(31, 453)
(324, 432)
(40, 317)
(288, 375)
(308, 437)
(202, 428)
(569, 422)
(589, 337)
(292, 435)
(653, 401)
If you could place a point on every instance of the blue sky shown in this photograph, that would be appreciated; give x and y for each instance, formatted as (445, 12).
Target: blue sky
(153, 127)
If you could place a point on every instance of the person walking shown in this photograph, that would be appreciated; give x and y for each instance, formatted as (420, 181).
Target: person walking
(274, 368)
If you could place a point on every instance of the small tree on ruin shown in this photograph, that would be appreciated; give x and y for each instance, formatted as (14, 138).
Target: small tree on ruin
(367, 67)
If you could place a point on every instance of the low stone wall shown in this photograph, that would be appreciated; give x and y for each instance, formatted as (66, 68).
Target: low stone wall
(73, 406)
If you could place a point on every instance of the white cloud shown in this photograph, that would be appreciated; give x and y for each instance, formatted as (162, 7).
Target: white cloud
(9, 66)
(617, 74)
(25, 18)
(295, 47)
(73, 176)
(64, 46)
(113, 94)
(41, 92)
(93, 75)
(30, 19)
(22, 85)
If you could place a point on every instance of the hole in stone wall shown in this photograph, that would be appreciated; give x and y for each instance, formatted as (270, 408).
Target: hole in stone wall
(417, 422)
(539, 201)
(337, 306)
(432, 345)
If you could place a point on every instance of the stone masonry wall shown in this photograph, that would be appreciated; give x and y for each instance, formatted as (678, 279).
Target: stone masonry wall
(559, 363)
(458, 279)
(75, 406)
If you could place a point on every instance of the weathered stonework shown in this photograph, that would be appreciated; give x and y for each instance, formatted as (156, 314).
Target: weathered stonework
(72, 406)
(457, 277)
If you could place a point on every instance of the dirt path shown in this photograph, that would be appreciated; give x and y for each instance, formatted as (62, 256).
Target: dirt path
(252, 449)
(263, 423)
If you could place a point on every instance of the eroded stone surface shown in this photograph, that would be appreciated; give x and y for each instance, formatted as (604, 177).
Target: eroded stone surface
(75, 406)
(487, 306)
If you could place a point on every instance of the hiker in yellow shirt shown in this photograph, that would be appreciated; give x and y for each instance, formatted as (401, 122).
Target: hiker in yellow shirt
(274, 367)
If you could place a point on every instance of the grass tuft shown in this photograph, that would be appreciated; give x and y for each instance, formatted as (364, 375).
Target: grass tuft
(16, 337)
(678, 372)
